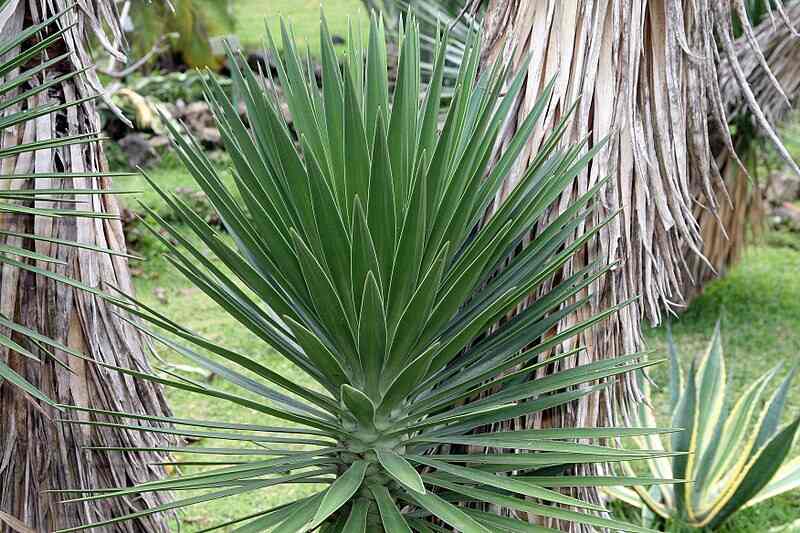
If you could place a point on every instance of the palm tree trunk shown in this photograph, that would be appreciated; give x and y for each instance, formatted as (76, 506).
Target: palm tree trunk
(726, 233)
(37, 452)
(644, 78)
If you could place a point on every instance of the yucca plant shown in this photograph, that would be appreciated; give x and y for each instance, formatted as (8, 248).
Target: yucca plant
(354, 250)
(737, 448)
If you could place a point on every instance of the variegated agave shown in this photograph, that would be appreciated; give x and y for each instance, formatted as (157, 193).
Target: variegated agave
(737, 453)
(358, 250)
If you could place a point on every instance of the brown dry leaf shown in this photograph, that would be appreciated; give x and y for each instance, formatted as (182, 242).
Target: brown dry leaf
(14, 524)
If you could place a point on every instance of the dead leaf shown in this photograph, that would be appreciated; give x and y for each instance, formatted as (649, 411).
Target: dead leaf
(14, 523)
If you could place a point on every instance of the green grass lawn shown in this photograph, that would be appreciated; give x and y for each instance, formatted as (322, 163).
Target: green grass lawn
(198, 312)
(171, 176)
(303, 16)
(758, 302)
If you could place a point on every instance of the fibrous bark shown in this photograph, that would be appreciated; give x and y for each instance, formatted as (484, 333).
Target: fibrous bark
(38, 452)
(645, 77)
(726, 232)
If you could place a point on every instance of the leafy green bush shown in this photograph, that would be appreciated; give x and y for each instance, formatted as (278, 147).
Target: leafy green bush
(190, 26)
(188, 86)
(782, 239)
(737, 454)
(361, 257)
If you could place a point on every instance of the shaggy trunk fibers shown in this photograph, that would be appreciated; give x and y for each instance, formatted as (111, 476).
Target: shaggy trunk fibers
(38, 453)
(645, 76)
(725, 235)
